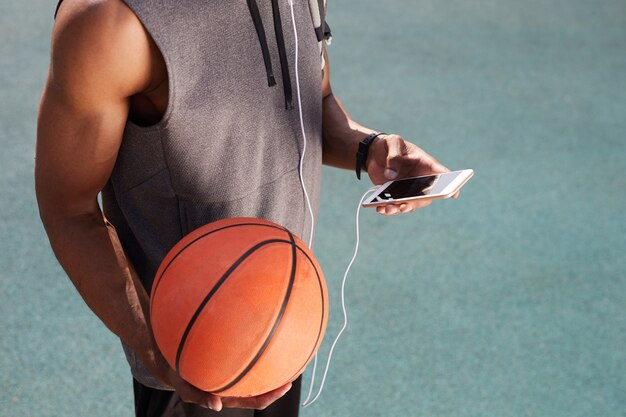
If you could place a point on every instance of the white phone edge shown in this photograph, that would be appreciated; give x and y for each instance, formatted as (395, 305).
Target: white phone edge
(463, 176)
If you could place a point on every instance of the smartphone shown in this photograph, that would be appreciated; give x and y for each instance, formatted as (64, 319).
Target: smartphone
(419, 188)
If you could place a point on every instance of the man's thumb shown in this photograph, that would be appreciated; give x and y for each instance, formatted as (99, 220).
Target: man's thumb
(394, 155)
(391, 173)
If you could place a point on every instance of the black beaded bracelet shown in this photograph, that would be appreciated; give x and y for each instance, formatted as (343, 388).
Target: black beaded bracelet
(361, 154)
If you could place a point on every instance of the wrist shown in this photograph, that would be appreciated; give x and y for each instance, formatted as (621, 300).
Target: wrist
(363, 155)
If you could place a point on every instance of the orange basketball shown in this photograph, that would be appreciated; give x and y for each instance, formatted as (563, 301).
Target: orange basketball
(239, 307)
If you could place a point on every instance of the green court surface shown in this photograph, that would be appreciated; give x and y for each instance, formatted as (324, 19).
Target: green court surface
(510, 301)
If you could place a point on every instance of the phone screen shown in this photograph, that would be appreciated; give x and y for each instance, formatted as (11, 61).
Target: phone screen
(415, 187)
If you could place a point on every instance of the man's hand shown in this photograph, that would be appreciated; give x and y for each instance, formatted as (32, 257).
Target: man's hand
(390, 157)
(190, 394)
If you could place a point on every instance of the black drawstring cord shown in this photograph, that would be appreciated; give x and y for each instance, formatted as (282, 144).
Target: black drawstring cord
(282, 53)
(258, 25)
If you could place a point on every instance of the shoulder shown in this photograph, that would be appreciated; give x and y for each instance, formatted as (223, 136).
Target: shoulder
(102, 45)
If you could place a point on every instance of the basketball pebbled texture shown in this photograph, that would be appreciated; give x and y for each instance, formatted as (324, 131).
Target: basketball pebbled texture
(239, 307)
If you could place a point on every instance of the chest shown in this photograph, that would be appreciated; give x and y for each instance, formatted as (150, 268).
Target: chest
(223, 132)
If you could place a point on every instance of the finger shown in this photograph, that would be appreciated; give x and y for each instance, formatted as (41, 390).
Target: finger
(259, 402)
(430, 164)
(418, 204)
(439, 167)
(380, 209)
(202, 399)
(391, 210)
(395, 150)
(405, 208)
(190, 394)
(215, 403)
(436, 166)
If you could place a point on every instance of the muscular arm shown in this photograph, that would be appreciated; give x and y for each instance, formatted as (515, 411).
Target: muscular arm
(100, 57)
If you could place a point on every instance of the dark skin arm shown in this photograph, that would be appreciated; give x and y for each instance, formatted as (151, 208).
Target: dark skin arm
(101, 57)
(389, 157)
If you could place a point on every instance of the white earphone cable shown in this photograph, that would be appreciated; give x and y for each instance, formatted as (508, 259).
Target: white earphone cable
(301, 165)
(306, 402)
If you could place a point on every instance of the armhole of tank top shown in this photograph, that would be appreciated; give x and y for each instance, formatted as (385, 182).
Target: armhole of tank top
(163, 121)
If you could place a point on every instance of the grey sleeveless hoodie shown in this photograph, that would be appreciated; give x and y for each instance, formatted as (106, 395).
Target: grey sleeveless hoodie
(230, 141)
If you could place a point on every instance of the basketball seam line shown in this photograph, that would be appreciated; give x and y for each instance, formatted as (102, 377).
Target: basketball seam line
(277, 322)
(319, 332)
(157, 280)
(204, 302)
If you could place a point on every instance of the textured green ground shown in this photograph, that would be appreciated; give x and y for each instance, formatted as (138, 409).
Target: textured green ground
(510, 301)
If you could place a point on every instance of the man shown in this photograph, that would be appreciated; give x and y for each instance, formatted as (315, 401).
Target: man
(172, 110)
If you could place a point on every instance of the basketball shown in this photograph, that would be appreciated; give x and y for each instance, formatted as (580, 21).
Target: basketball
(239, 307)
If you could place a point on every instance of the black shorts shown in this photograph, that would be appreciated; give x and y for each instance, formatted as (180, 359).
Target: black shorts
(150, 402)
